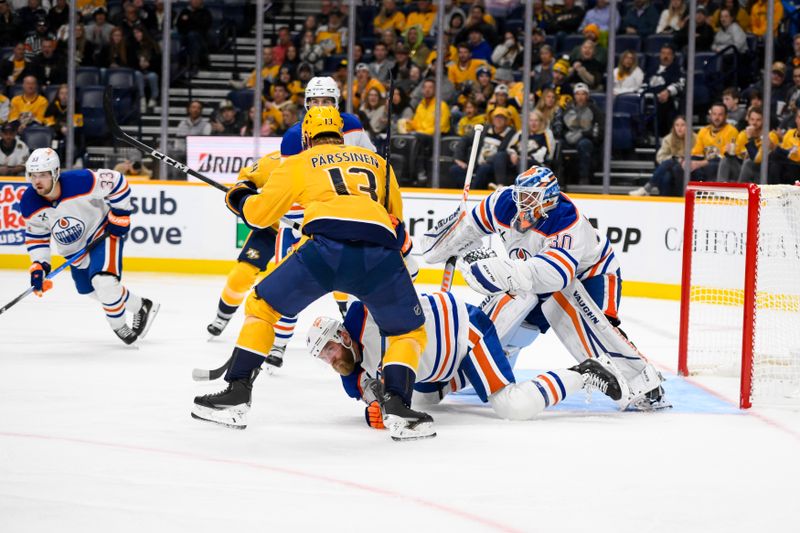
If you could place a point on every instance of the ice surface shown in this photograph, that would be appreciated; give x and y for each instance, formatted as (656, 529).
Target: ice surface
(96, 436)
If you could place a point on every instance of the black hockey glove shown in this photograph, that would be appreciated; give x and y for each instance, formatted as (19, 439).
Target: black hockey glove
(238, 194)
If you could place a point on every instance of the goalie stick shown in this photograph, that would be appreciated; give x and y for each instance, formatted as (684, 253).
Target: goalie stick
(55, 272)
(450, 265)
(118, 134)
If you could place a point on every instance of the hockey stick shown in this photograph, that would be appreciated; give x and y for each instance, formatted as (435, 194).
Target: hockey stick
(201, 374)
(387, 150)
(450, 265)
(55, 272)
(117, 133)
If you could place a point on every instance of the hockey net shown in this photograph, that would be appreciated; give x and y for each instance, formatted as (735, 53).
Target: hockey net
(740, 293)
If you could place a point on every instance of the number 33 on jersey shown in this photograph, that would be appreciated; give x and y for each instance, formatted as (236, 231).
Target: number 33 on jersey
(342, 189)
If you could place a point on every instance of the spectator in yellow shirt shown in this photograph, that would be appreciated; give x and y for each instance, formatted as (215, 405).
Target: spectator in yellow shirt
(269, 72)
(712, 142)
(786, 168)
(758, 17)
(465, 71)
(425, 16)
(502, 99)
(389, 18)
(29, 106)
(423, 123)
(742, 159)
(362, 84)
(472, 117)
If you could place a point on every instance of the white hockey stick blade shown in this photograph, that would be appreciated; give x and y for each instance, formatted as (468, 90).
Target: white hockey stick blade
(201, 374)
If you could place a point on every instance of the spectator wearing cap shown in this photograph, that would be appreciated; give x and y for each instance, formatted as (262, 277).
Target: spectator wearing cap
(541, 142)
(13, 152)
(33, 42)
(481, 92)
(29, 106)
(600, 15)
(362, 83)
(729, 33)
(567, 19)
(758, 16)
(559, 84)
(478, 46)
(580, 126)
(780, 91)
(99, 30)
(14, 68)
(501, 99)
(641, 19)
(591, 32)
(666, 82)
(493, 164)
(586, 68)
(424, 16)
(31, 14)
(227, 121)
(472, 117)
(543, 71)
(389, 18)
(193, 25)
(464, 71)
(10, 29)
(194, 123)
(382, 64)
(671, 19)
(704, 34)
(418, 50)
(423, 123)
(628, 77)
(333, 35)
(402, 62)
(507, 53)
(49, 65)
(505, 77)
(711, 144)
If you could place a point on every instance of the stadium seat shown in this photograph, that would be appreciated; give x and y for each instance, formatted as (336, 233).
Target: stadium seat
(14, 90)
(570, 42)
(621, 132)
(515, 26)
(653, 43)
(87, 76)
(599, 100)
(122, 79)
(50, 92)
(404, 154)
(94, 118)
(628, 42)
(242, 99)
(37, 137)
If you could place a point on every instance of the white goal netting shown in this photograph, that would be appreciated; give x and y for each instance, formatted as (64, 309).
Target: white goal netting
(717, 289)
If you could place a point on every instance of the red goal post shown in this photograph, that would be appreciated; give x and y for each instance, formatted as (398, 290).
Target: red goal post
(740, 287)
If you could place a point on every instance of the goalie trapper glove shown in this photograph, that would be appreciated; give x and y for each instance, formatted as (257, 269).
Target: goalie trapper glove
(238, 195)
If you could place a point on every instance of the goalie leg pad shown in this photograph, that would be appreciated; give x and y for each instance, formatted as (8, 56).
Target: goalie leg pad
(586, 332)
(508, 312)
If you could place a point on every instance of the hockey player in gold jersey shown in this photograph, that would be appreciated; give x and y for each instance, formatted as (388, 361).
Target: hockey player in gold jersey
(352, 239)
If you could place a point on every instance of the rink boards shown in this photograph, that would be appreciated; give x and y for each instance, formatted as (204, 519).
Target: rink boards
(185, 228)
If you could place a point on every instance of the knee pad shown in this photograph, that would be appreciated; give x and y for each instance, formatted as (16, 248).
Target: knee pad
(106, 285)
(517, 401)
(406, 349)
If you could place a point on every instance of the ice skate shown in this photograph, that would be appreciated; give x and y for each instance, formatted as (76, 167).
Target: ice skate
(143, 319)
(651, 401)
(274, 359)
(127, 335)
(597, 377)
(218, 326)
(228, 407)
(404, 423)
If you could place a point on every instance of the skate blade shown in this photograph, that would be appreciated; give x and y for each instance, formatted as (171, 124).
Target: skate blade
(231, 418)
(150, 318)
(401, 431)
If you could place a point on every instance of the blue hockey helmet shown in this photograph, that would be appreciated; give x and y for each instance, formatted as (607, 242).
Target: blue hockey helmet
(535, 192)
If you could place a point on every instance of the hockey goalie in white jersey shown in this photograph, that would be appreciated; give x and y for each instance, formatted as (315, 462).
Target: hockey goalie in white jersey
(74, 209)
(560, 273)
(462, 349)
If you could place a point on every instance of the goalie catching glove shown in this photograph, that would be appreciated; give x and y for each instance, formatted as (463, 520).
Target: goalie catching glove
(488, 274)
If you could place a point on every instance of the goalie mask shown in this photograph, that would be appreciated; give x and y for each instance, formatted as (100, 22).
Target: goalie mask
(535, 192)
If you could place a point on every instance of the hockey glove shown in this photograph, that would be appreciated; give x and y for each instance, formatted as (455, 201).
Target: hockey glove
(119, 223)
(374, 416)
(40, 284)
(238, 194)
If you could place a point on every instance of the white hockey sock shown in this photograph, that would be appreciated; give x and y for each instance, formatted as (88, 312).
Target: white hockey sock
(115, 299)
(284, 329)
(555, 385)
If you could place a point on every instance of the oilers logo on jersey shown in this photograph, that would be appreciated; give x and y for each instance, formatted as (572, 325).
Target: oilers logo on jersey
(68, 230)
(520, 253)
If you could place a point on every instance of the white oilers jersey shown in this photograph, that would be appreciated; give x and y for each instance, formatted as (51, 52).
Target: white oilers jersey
(77, 217)
(561, 247)
(447, 327)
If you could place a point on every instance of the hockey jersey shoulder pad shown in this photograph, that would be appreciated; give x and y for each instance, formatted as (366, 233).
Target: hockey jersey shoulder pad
(32, 202)
(351, 123)
(292, 142)
(559, 219)
(497, 209)
(76, 183)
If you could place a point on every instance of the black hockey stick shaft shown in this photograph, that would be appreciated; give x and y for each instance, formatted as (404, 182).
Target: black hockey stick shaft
(54, 273)
(117, 133)
(387, 150)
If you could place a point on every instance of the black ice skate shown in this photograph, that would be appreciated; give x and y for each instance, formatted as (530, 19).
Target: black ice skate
(404, 423)
(597, 377)
(127, 335)
(274, 359)
(228, 407)
(218, 325)
(143, 319)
